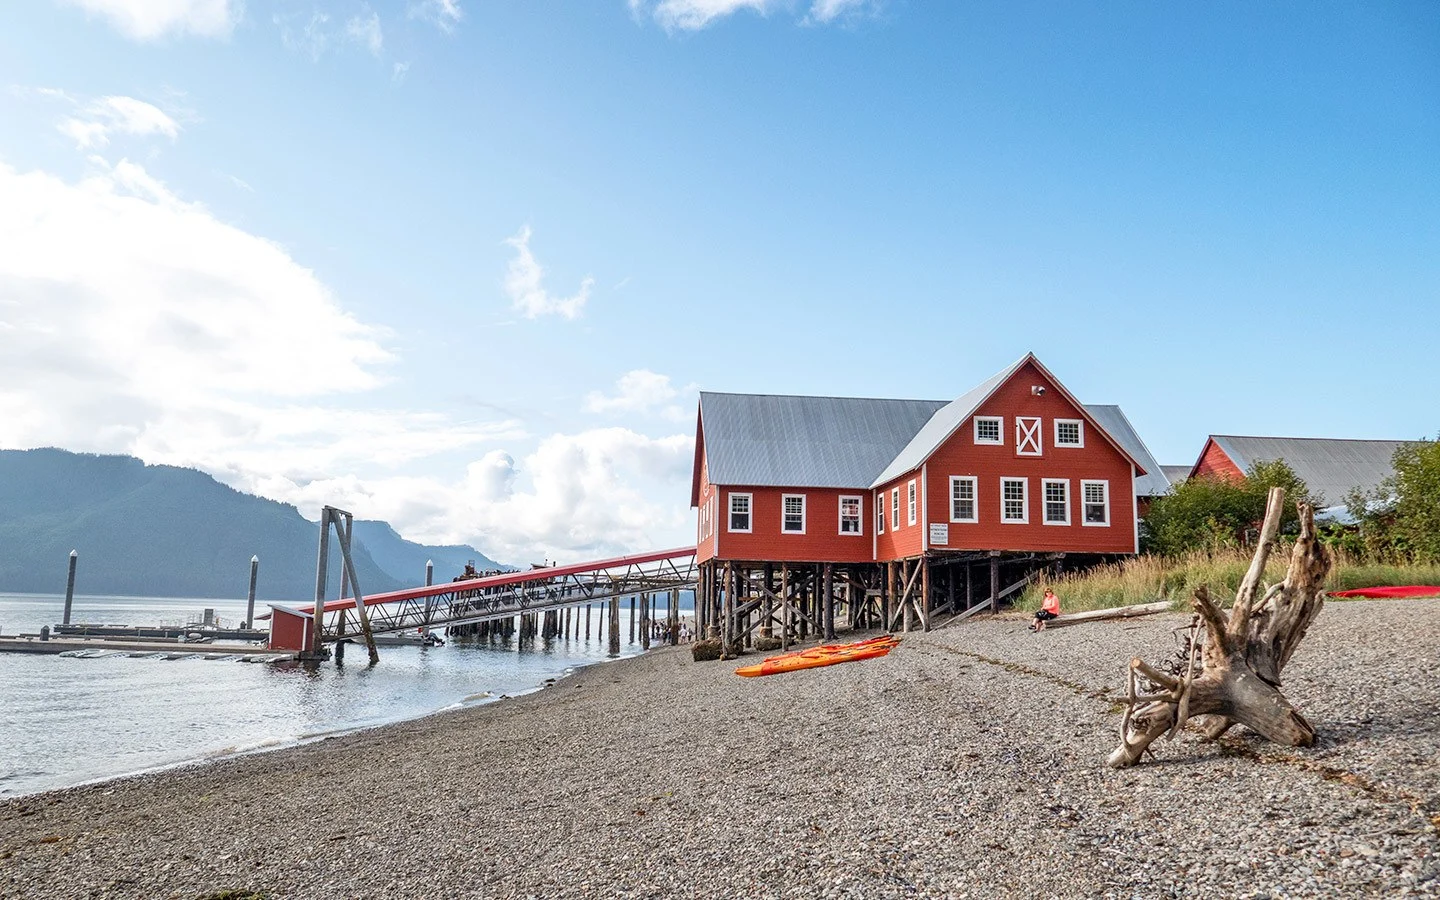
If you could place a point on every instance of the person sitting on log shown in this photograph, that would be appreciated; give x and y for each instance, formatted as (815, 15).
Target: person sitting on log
(1049, 609)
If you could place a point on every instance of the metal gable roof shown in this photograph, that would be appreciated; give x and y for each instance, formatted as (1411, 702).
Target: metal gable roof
(1330, 467)
(782, 441)
(1153, 483)
(942, 424)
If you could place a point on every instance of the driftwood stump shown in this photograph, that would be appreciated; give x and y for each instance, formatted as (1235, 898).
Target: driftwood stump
(1229, 667)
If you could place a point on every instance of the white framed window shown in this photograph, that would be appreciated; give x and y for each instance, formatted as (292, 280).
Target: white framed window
(1027, 436)
(792, 513)
(740, 507)
(1096, 497)
(963, 503)
(880, 513)
(1015, 500)
(910, 502)
(850, 508)
(1069, 432)
(1057, 500)
(895, 509)
(989, 430)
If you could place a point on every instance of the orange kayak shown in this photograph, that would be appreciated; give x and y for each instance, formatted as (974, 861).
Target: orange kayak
(816, 657)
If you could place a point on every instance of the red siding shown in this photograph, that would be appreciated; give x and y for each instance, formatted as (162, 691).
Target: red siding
(707, 515)
(960, 455)
(902, 541)
(822, 540)
(1214, 463)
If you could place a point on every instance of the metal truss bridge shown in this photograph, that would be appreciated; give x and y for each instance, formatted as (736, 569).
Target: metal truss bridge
(510, 594)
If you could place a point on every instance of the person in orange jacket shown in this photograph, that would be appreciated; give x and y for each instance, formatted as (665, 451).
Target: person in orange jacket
(1049, 609)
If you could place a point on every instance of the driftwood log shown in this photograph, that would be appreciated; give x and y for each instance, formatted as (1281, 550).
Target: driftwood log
(1229, 667)
(1109, 615)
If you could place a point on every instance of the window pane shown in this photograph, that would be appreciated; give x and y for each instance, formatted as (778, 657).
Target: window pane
(1068, 432)
(1013, 492)
(987, 430)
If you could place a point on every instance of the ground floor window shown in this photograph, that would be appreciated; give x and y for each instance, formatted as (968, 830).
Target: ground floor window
(879, 513)
(793, 506)
(910, 501)
(740, 512)
(1057, 501)
(849, 515)
(1013, 496)
(1097, 502)
(895, 509)
(962, 499)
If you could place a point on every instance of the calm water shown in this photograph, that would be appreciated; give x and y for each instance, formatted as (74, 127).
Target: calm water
(65, 721)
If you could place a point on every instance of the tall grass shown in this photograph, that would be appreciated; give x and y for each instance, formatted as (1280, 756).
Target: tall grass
(1146, 579)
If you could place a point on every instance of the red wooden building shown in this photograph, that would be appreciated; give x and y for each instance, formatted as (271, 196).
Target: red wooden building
(888, 507)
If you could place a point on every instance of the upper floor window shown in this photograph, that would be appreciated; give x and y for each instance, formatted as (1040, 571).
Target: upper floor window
(1069, 433)
(1096, 497)
(740, 512)
(793, 515)
(895, 509)
(879, 513)
(849, 515)
(989, 430)
(962, 499)
(1014, 496)
(1027, 436)
(910, 502)
(1057, 501)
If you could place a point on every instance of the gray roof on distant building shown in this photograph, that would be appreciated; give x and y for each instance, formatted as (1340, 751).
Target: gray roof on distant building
(1176, 474)
(1153, 483)
(775, 441)
(1330, 468)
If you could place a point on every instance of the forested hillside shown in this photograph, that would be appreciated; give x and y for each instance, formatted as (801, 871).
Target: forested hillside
(160, 531)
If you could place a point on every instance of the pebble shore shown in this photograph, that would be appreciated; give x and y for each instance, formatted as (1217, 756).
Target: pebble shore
(967, 763)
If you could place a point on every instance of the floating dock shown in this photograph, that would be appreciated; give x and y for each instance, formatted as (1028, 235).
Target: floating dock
(140, 647)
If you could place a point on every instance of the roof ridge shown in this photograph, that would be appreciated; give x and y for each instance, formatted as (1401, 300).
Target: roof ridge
(1281, 437)
(821, 397)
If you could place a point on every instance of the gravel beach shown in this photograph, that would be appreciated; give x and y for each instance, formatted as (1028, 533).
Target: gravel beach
(968, 763)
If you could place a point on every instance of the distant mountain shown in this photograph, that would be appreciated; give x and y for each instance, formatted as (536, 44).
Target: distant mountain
(164, 531)
(405, 560)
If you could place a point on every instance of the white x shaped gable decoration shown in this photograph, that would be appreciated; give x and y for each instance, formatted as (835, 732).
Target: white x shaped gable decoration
(1027, 436)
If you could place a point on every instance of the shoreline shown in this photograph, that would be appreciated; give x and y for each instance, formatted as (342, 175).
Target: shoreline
(969, 762)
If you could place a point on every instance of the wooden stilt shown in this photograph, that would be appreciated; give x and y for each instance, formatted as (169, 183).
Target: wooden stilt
(827, 593)
(925, 601)
(645, 622)
(784, 607)
(614, 626)
(994, 581)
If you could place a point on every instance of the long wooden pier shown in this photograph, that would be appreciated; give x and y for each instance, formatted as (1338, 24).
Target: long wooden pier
(522, 595)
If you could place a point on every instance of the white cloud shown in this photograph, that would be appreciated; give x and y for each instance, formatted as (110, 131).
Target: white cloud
(574, 497)
(443, 14)
(365, 31)
(399, 71)
(93, 125)
(524, 283)
(693, 15)
(144, 20)
(312, 38)
(824, 12)
(641, 391)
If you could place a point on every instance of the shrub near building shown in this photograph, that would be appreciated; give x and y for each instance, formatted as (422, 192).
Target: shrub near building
(1400, 520)
(1217, 513)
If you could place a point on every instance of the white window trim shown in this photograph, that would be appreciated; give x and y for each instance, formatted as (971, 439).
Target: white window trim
(860, 518)
(1025, 520)
(910, 499)
(880, 513)
(1039, 431)
(1083, 520)
(974, 499)
(895, 508)
(1079, 424)
(1044, 512)
(1000, 421)
(801, 498)
(730, 513)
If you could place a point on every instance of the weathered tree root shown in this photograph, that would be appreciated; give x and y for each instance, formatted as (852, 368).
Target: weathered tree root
(1231, 662)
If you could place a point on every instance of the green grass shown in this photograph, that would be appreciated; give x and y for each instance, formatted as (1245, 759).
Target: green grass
(1146, 579)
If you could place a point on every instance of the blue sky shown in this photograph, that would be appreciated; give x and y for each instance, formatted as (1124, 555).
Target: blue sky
(463, 264)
